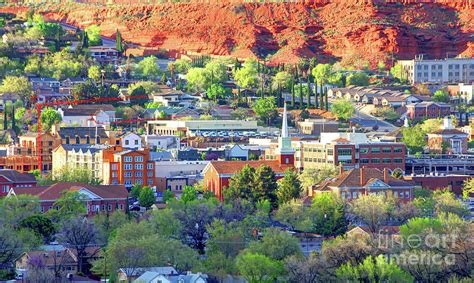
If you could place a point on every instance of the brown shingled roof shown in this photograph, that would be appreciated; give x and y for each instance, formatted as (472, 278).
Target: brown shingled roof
(54, 191)
(231, 167)
(351, 178)
(16, 176)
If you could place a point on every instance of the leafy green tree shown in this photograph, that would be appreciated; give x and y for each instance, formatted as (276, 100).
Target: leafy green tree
(93, 35)
(39, 224)
(313, 176)
(373, 210)
(216, 91)
(282, 79)
(247, 76)
(180, 66)
(217, 70)
(358, 79)
(468, 188)
(94, 73)
(414, 138)
(257, 268)
(165, 223)
(342, 109)
(289, 187)
(441, 95)
(75, 174)
(17, 85)
(69, 205)
(377, 269)
(276, 244)
(16, 209)
(326, 215)
(135, 191)
(198, 79)
(107, 223)
(239, 184)
(148, 68)
(189, 194)
(49, 117)
(321, 73)
(265, 108)
(398, 73)
(446, 202)
(11, 248)
(148, 87)
(147, 197)
(337, 78)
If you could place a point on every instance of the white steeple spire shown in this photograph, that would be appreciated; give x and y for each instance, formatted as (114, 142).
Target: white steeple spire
(284, 125)
(405, 123)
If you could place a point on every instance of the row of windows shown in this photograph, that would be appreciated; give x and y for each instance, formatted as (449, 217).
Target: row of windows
(378, 160)
(383, 149)
(129, 159)
(138, 181)
(88, 140)
(405, 194)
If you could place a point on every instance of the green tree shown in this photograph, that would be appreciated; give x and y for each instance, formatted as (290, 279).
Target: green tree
(398, 73)
(414, 138)
(39, 224)
(373, 210)
(377, 269)
(257, 268)
(147, 197)
(198, 79)
(342, 109)
(180, 66)
(49, 117)
(217, 70)
(321, 73)
(326, 215)
(93, 35)
(337, 79)
(94, 73)
(118, 42)
(441, 95)
(135, 191)
(247, 76)
(446, 202)
(289, 187)
(265, 108)
(314, 176)
(216, 91)
(264, 185)
(69, 205)
(276, 244)
(239, 184)
(189, 194)
(468, 188)
(148, 68)
(17, 85)
(357, 79)
(282, 79)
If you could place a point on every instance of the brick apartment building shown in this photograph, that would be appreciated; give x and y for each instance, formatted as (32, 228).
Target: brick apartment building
(105, 199)
(349, 154)
(128, 167)
(14, 179)
(428, 110)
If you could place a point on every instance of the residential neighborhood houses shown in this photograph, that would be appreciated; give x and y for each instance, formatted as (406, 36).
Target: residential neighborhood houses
(177, 167)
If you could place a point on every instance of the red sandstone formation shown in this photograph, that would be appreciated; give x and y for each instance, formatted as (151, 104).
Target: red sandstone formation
(356, 32)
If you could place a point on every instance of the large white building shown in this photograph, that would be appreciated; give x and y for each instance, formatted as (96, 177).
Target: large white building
(450, 70)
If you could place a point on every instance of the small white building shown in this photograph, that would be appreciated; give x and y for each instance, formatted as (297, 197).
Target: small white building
(88, 115)
(162, 142)
(131, 140)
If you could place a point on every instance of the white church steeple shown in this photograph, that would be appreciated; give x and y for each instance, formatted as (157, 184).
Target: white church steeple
(285, 151)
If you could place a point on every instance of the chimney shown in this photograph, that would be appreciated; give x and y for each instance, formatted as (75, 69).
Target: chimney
(341, 169)
(385, 175)
(362, 176)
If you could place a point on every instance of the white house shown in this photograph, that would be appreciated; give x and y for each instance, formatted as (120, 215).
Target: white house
(162, 142)
(131, 140)
(88, 115)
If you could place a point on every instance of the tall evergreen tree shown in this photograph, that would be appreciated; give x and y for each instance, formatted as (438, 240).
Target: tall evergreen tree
(118, 42)
(5, 118)
(85, 40)
(13, 118)
(326, 99)
(316, 95)
(308, 94)
(292, 94)
(321, 102)
(301, 96)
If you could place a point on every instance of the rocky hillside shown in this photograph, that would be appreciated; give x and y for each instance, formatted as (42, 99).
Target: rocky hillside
(356, 32)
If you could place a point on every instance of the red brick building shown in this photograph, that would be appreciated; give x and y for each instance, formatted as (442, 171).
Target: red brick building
(353, 183)
(128, 167)
(106, 199)
(428, 110)
(451, 182)
(14, 179)
(448, 139)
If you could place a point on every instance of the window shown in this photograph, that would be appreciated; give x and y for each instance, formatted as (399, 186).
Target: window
(364, 150)
(407, 194)
(375, 149)
(354, 194)
(50, 143)
(364, 161)
(150, 181)
(139, 181)
(128, 166)
(343, 195)
(127, 142)
(114, 167)
(138, 158)
(386, 150)
(138, 174)
(128, 182)
(88, 140)
(149, 166)
(387, 160)
(397, 160)
(127, 159)
(344, 152)
(97, 140)
(78, 140)
(128, 174)
(114, 174)
(149, 174)
(375, 160)
(136, 142)
(397, 149)
(138, 166)
(109, 207)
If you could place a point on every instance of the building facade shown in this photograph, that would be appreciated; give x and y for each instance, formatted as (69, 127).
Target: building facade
(428, 110)
(450, 70)
(14, 179)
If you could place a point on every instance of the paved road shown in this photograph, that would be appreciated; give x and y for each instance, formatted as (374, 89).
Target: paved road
(369, 121)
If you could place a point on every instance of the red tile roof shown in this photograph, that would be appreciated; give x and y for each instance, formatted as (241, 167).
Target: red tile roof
(54, 191)
(231, 167)
(351, 178)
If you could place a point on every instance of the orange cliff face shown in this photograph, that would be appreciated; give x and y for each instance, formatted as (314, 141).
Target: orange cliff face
(357, 32)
